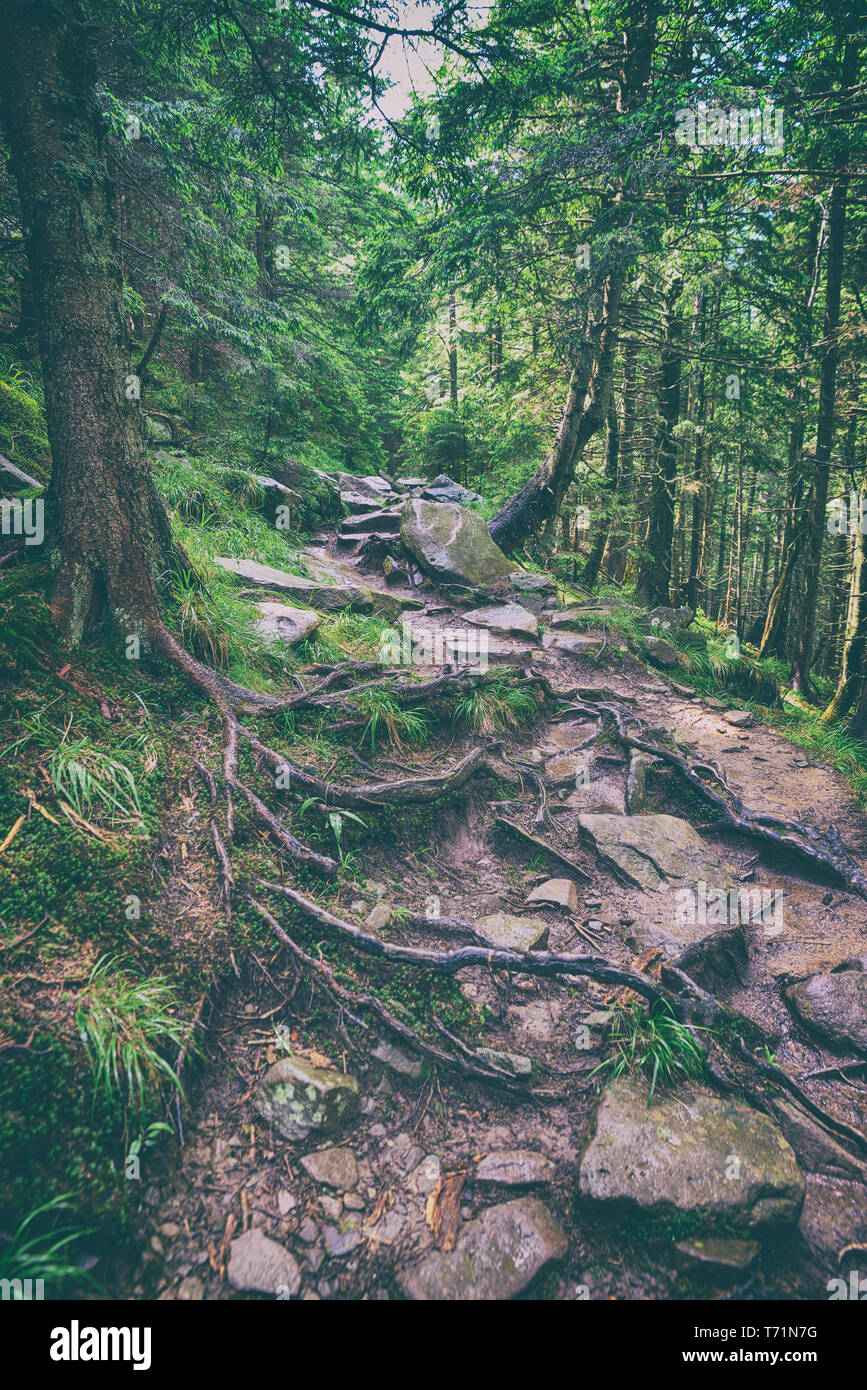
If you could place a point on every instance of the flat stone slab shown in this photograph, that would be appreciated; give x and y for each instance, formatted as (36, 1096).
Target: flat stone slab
(282, 622)
(383, 522)
(515, 1168)
(509, 933)
(332, 1167)
(410, 1068)
(572, 643)
(691, 1152)
(299, 1099)
(515, 1063)
(834, 1004)
(496, 1256)
(576, 619)
(329, 584)
(452, 544)
(320, 589)
(509, 620)
(652, 850)
(542, 584)
(260, 1265)
(558, 892)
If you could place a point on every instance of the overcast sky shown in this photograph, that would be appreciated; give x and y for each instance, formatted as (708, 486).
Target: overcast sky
(411, 63)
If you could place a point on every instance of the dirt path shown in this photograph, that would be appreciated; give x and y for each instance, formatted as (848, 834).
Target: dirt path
(233, 1175)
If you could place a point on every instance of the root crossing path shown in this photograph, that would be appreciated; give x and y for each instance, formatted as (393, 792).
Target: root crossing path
(423, 1070)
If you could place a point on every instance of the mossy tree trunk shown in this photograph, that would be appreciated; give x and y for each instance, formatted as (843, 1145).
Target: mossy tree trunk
(110, 535)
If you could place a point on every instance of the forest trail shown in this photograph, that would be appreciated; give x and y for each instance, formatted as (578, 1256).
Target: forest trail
(359, 1218)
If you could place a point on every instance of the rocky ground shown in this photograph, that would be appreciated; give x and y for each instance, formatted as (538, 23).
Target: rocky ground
(362, 1171)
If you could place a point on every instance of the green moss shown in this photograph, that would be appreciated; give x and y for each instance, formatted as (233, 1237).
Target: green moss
(22, 430)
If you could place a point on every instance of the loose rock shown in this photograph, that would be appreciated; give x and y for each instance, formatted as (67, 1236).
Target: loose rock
(299, 1099)
(496, 1256)
(334, 1167)
(259, 1265)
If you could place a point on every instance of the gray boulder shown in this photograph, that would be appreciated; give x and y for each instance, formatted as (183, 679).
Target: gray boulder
(333, 1168)
(693, 1153)
(506, 932)
(508, 619)
(281, 622)
(445, 489)
(670, 619)
(515, 1168)
(661, 653)
(451, 544)
(649, 850)
(572, 643)
(328, 584)
(834, 1004)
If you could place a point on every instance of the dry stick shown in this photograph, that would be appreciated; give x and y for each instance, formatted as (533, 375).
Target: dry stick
(394, 1025)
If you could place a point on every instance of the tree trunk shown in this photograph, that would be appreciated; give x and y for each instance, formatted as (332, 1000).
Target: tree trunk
(654, 580)
(586, 407)
(600, 540)
(818, 500)
(852, 672)
(585, 412)
(619, 532)
(773, 642)
(109, 527)
(453, 349)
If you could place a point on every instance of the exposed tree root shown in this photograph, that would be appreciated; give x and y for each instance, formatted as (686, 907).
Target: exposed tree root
(825, 850)
(735, 1069)
(463, 1063)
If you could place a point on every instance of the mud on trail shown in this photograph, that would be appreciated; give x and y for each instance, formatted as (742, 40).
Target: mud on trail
(538, 1190)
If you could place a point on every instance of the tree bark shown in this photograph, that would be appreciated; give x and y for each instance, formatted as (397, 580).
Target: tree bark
(852, 672)
(818, 500)
(110, 531)
(654, 580)
(453, 349)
